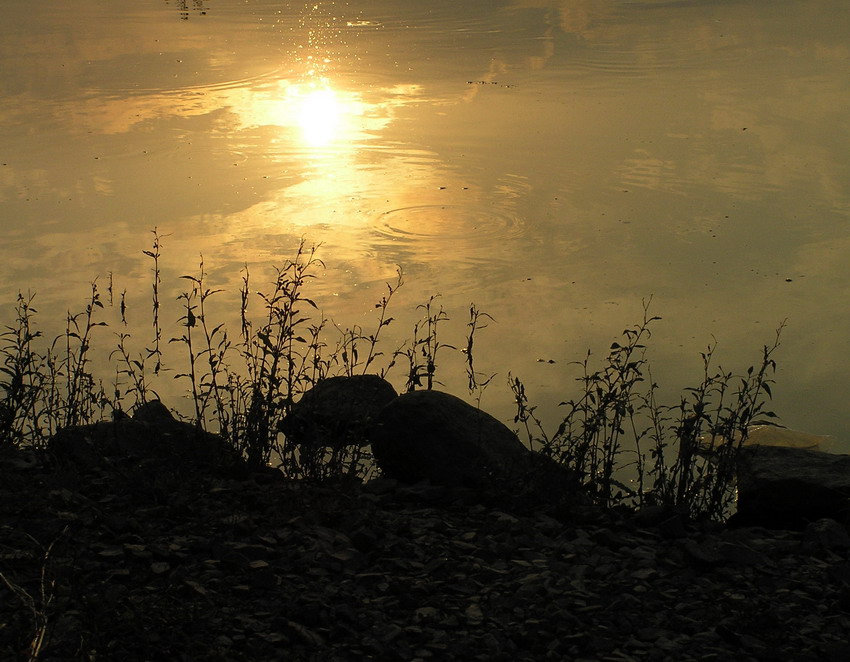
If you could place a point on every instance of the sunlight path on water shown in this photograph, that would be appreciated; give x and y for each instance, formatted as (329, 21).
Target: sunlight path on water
(555, 161)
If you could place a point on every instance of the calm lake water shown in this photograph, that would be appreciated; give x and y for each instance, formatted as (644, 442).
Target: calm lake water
(554, 161)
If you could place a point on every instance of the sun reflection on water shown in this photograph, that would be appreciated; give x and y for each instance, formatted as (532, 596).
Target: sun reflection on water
(320, 114)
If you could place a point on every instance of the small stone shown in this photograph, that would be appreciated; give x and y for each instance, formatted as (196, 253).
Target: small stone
(474, 615)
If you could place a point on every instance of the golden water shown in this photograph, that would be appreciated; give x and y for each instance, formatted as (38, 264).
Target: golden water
(554, 161)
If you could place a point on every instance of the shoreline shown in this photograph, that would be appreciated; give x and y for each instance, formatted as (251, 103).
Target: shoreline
(145, 561)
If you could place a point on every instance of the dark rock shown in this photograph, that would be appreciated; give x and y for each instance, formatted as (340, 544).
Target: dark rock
(13, 458)
(152, 433)
(439, 437)
(653, 515)
(674, 526)
(544, 474)
(741, 555)
(669, 521)
(711, 551)
(825, 535)
(380, 486)
(338, 411)
(154, 413)
(705, 553)
(790, 487)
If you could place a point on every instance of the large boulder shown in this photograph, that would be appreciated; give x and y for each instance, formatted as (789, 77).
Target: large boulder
(790, 487)
(152, 434)
(337, 411)
(436, 436)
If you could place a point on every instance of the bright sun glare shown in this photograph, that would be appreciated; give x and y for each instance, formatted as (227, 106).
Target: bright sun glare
(319, 116)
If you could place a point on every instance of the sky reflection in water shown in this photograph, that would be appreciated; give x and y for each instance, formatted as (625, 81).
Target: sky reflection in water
(553, 160)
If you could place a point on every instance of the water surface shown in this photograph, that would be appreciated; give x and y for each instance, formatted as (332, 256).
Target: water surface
(555, 161)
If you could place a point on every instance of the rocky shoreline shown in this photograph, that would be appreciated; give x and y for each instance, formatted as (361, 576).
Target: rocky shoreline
(144, 562)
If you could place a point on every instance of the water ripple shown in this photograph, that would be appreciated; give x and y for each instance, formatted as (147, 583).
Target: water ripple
(474, 225)
(473, 246)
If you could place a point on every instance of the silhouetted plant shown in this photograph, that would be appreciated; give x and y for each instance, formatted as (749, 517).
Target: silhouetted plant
(276, 360)
(708, 430)
(348, 352)
(37, 602)
(422, 352)
(535, 431)
(154, 351)
(23, 377)
(477, 321)
(135, 366)
(83, 395)
(690, 463)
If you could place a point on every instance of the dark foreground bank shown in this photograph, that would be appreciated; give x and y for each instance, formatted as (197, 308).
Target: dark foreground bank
(121, 562)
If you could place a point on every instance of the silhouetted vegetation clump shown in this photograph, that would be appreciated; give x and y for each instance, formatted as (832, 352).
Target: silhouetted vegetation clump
(681, 456)
(624, 445)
